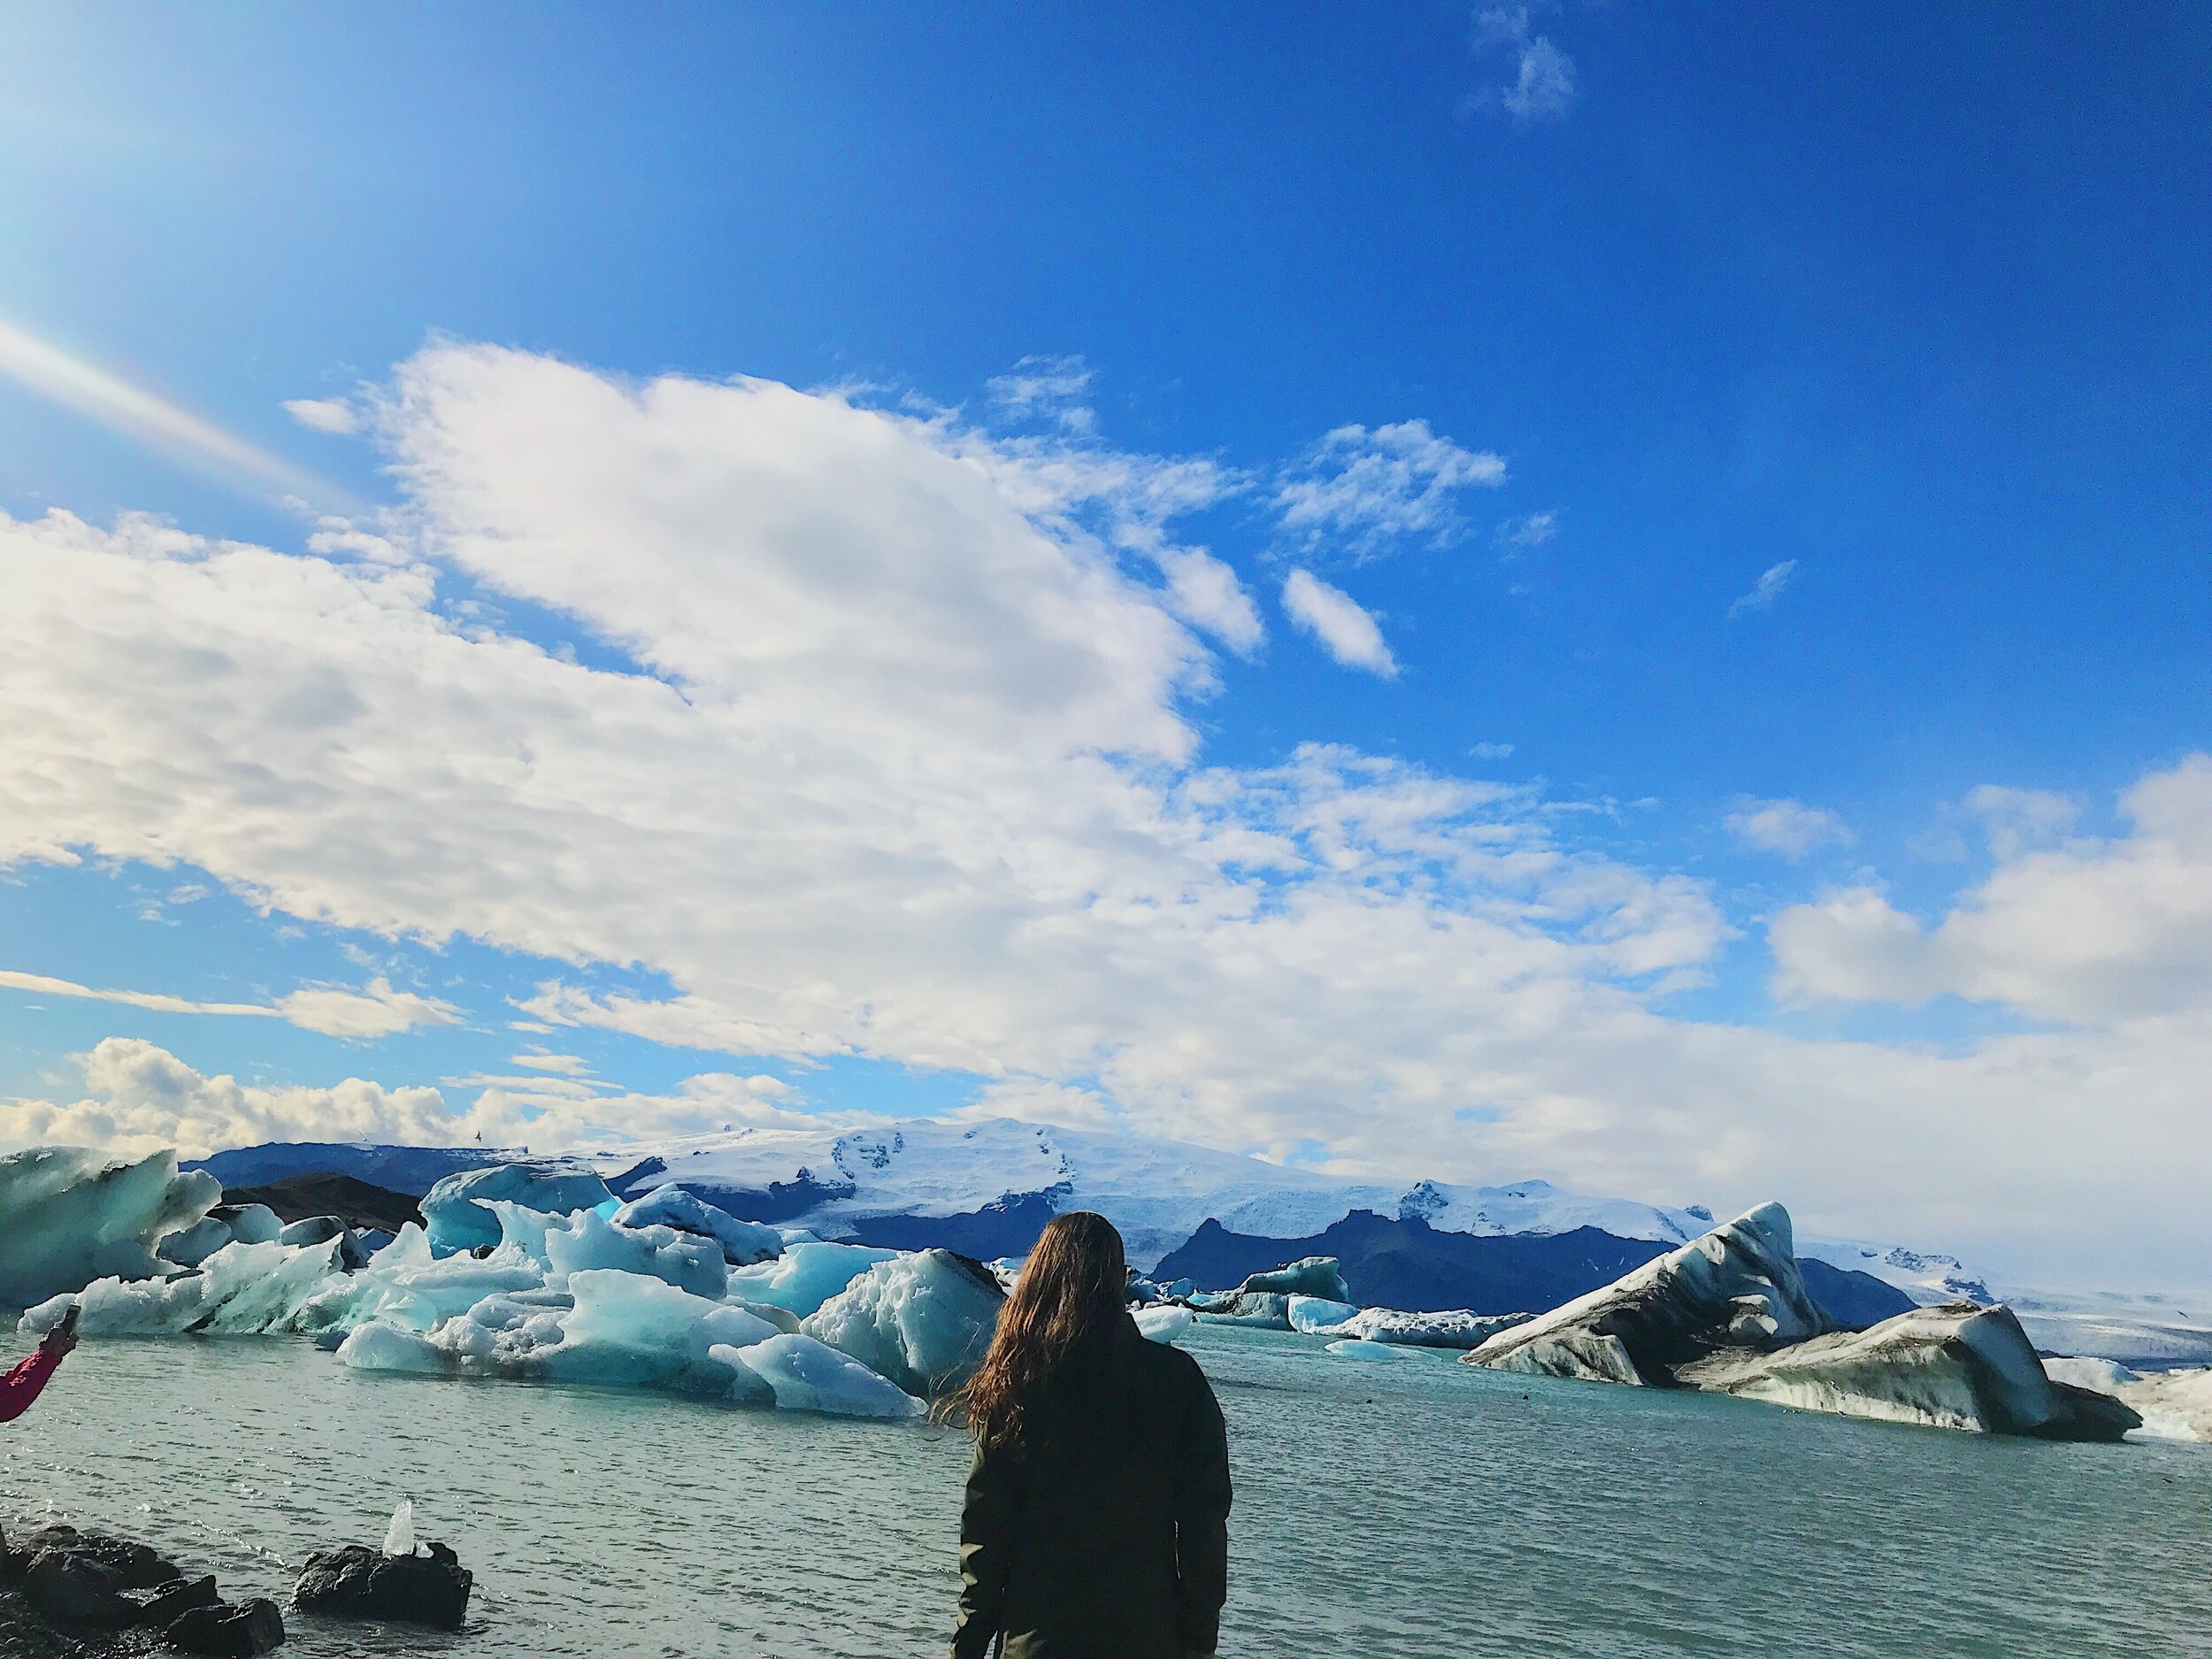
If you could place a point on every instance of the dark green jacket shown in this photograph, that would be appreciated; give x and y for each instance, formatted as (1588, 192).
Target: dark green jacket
(1105, 1535)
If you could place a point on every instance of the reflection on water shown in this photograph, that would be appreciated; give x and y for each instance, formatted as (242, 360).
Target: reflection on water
(1408, 1507)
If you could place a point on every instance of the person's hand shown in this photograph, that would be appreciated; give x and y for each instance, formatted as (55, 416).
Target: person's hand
(58, 1342)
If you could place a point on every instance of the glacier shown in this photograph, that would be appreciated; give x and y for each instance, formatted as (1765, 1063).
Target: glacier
(70, 1215)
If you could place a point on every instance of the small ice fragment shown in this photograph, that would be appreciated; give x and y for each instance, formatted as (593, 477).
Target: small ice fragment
(399, 1537)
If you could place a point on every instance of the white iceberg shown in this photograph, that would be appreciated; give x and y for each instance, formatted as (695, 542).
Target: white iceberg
(385, 1347)
(460, 1220)
(1310, 1313)
(1457, 1327)
(1164, 1323)
(1353, 1347)
(806, 1275)
(69, 1216)
(743, 1242)
(923, 1320)
(810, 1376)
(589, 1244)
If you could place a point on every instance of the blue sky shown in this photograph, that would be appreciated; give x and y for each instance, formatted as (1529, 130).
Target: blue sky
(1846, 368)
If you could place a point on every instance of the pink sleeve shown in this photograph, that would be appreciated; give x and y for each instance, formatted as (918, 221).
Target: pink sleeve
(21, 1386)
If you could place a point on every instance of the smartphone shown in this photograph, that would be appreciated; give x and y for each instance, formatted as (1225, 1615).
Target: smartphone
(68, 1326)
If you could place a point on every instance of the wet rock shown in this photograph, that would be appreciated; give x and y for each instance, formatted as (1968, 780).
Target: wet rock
(358, 1582)
(182, 1596)
(224, 1632)
(75, 1593)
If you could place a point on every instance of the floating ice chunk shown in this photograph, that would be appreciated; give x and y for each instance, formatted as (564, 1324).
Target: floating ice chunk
(806, 1275)
(1459, 1327)
(388, 1347)
(243, 1289)
(250, 1224)
(742, 1242)
(399, 1537)
(2103, 1375)
(1353, 1347)
(69, 1215)
(810, 1376)
(589, 1243)
(1268, 1310)
(629, 1330)
(1311, 1313)
(1309, 1276)
(459, 1221)
(924, 1320)
(190, 1246)
(1164, 1323)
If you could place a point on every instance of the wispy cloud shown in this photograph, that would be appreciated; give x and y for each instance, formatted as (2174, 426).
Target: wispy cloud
(332, 415)
(1360, 490)
(1785, 827)
(1766, 590)
(1524, 534)
(1346, 631)
(375, 1011)
(131, 410)
(1048, 389)
(1543, 83)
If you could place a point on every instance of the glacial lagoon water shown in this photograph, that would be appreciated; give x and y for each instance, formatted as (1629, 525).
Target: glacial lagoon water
(1411, 1506)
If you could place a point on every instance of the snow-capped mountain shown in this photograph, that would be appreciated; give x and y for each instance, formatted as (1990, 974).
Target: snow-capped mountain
(1158, 1192)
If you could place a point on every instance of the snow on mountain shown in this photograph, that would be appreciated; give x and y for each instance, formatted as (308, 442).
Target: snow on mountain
(1927, 1278)
(1156, 1192)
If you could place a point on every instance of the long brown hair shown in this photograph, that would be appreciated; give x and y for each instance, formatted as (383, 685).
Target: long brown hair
(1063, 1313)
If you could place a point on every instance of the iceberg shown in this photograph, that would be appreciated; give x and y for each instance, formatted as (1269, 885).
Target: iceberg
(456, 1207)
(1959, 1366)
(387, 1348)
(806, 1375)
(1309, 1276)
(1459, 1327)
(1164, 1324)
(806, 1275)
(587, 1243)
(1737, 1287)
(1310, 1313)
(743, 1242)
(1355, 1348)
(69, 1216)
(923, 1320)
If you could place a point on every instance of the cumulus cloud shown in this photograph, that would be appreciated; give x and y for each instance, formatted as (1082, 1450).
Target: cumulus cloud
(2096, 931)
(1360, 491)
(1766, 590)
(1785, 827)
(140, 1097)
(332, 415)
(375, 1011)
(899, 762)
(1346, 631)
(1543, 83)
(1524, 534)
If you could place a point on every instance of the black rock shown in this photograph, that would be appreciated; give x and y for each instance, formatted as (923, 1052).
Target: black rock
(358, 1582)
(75, 1593)
(243, 1631)
(180, 1596)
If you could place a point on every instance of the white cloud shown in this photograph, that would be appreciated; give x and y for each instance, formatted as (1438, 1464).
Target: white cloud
(905, 770)
(332, 415)
(1046, 387)
(1543, 83)
(1346, 631)
(568, 1065)
(1529, 531)
(140, 1097)
(1491, 751)
(1766, 590)
(376, 1010)
(1360, 491)
(2021, 821)
(2096, 931)
(1785, 827)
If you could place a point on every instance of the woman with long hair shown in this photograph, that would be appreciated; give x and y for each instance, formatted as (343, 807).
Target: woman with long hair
(1097, 1518)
